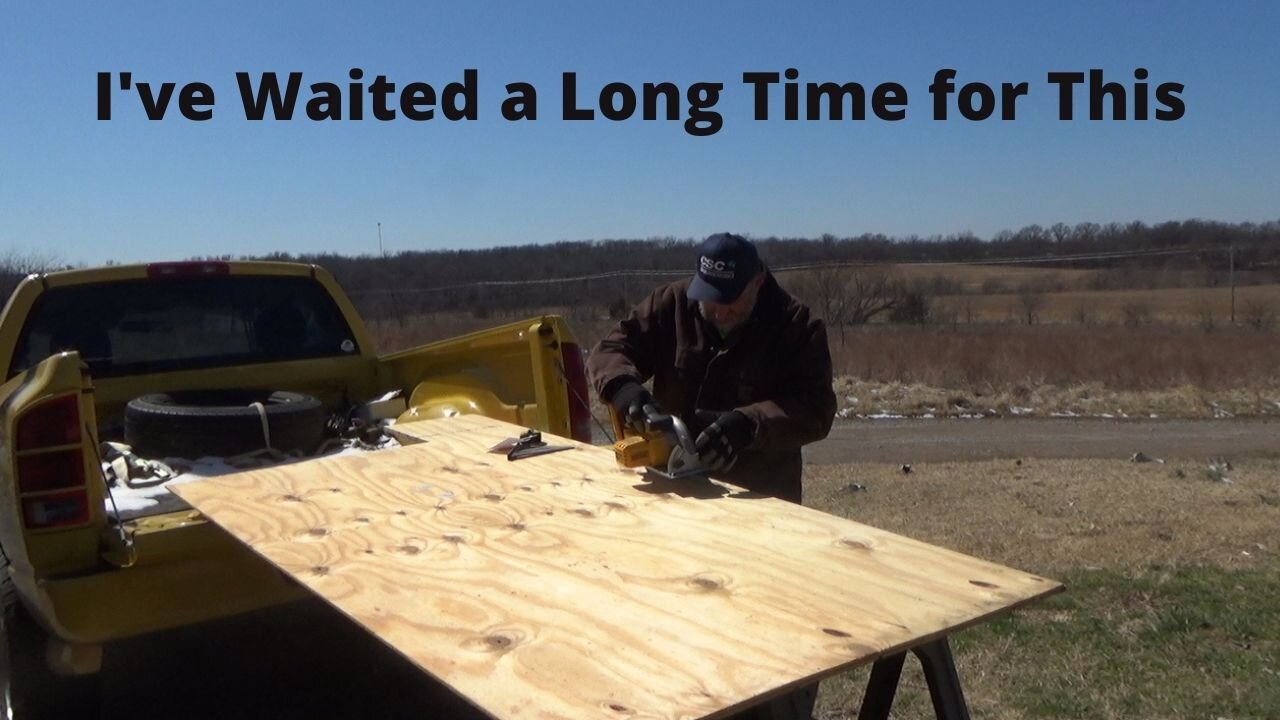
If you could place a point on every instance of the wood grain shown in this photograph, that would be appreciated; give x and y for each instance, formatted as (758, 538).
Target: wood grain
(559, 586)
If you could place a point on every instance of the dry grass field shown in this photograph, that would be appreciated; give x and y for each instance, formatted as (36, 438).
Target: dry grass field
(1165, 360)
(1190, 306)
(1172, 573)
(988, 356)
(1009, 370)
(976, 278)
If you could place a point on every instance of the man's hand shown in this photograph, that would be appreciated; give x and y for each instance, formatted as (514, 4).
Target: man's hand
(718, 446)
(629, 401)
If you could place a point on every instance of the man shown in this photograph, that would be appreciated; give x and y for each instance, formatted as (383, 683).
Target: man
(746, 368)
(733, 355)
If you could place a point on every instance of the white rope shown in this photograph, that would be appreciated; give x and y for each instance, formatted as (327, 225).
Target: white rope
(266, 428)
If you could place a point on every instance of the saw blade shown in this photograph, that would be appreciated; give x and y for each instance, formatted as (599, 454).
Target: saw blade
(680, 463)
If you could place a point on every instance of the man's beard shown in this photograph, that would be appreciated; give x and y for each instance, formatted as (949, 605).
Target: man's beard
(723, 328)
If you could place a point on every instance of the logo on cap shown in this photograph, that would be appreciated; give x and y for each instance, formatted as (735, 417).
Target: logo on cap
(718, 269)
(726, 263)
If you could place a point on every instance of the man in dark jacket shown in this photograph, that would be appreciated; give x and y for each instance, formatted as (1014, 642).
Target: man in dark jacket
(736, 357)
(746, 368)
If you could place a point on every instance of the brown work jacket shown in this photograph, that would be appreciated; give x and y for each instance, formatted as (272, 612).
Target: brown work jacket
(776, 370)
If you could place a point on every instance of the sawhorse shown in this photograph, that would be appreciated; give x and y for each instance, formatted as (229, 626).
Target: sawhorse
(939, 673)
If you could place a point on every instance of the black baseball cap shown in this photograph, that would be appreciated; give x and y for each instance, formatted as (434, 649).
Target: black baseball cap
(726, 263)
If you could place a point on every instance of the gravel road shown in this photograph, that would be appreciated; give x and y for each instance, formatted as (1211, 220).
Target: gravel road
(911, 440)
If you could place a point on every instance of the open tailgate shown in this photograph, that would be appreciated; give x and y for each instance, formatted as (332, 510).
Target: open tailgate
(561, 586)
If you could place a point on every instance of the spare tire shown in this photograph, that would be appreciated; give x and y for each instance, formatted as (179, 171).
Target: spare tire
(200, 423)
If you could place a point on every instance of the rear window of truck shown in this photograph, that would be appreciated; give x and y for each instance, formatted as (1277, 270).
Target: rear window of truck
(137, 327)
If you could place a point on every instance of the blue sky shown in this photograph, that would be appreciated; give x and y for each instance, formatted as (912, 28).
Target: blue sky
(130, 189)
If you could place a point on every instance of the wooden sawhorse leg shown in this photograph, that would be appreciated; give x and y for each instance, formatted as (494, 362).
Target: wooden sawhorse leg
(939, 673)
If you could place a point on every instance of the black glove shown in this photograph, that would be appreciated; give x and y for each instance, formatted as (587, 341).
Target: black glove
(718, 446)
(629, 400)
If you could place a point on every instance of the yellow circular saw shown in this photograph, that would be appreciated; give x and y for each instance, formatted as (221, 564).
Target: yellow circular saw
(663, 446)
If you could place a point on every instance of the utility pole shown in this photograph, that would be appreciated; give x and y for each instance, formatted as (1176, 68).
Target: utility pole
(380, 250)
(1231, 253)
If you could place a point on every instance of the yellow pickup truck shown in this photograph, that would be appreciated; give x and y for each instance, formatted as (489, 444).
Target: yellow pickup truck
(85, 351)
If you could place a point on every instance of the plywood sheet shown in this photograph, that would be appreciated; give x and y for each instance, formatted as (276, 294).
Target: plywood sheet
(559, 586)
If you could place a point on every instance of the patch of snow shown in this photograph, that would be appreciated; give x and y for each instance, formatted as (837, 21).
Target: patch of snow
(1015, 410)
(1063, 414)
(882, 415)
(146, 495)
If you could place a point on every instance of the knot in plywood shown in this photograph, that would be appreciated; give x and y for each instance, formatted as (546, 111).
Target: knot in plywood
(496, 641)
(856, 543)
(314, 534)
(707, 582)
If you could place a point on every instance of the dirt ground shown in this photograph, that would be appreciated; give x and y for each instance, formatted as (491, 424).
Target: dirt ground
(1052, 515)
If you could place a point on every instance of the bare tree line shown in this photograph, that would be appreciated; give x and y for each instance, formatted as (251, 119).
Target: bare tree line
(613, 274)
(16, 265)
(414, 283)
(847, 297)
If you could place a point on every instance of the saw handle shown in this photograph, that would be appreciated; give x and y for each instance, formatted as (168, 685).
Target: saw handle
(661, 424)
(654, 420)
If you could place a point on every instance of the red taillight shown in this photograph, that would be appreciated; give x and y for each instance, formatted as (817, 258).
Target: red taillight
(51, 475)
(575, 370)
(188, 268)
(56, 510)
(41, 472)
(50, 424)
